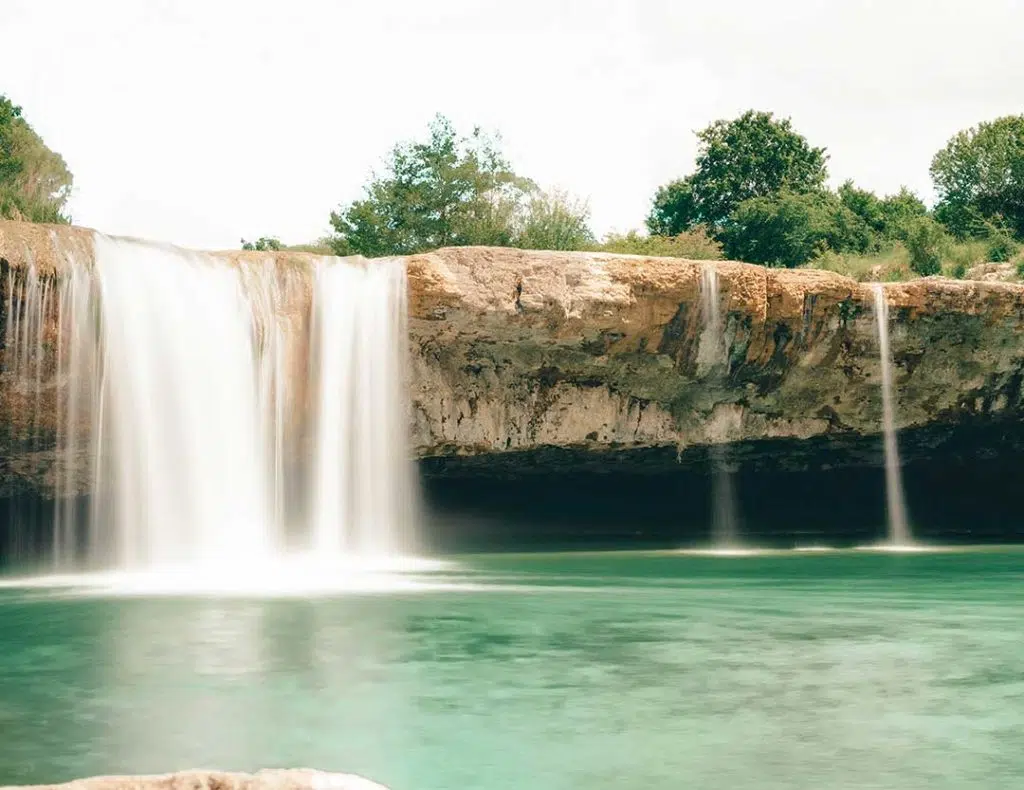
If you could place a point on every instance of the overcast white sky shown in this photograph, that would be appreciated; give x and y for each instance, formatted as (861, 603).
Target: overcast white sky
(203, 121)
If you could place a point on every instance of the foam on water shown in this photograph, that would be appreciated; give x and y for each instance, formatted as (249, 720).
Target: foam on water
(297, 576)
(901, 548)
(726, 552)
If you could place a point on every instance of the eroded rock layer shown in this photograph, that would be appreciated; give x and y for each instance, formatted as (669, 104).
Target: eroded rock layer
(525, 358)
(532, 361)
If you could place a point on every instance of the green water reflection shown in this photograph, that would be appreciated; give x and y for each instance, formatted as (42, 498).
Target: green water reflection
(646, 670)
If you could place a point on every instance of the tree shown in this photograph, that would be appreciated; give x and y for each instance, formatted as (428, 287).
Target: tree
(900, 211)
(790, 229)
(263, 244)
(753, 156)
(554, 221)
(35, 183)
(445, 191)
(676, 209)
(979, 178)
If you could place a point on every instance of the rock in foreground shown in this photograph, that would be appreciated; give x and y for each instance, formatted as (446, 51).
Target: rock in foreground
(295, 779)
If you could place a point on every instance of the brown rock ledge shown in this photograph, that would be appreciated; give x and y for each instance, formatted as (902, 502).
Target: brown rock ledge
(518, 357)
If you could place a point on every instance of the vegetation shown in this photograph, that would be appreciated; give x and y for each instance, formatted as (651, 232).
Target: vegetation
(263, 244)
(554, 221)
(979, 178)
(789, 229)
(759, 189)
(925, 239)
(753, 156)
(454, 191)
(35, 182)
(757, 193)
(695, 244)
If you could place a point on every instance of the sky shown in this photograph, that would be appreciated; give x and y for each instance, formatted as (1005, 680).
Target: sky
(201, 122)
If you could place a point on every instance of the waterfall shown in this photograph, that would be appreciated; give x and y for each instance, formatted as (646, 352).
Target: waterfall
(181, 413)
(214, 411)
(899, 529)
(713, 359)
(363, 483)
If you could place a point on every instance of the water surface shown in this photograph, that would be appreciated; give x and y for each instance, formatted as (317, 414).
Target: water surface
(549, 672)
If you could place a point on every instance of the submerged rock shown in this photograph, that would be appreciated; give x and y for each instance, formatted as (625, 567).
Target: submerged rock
(294, 779)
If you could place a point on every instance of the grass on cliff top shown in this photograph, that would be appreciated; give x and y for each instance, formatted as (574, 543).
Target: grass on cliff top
(893, 264)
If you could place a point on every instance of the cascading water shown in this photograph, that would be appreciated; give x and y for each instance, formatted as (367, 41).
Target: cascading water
(713, 358)
(363, 483)
(899, 529)
(181, 413)
(214, 412)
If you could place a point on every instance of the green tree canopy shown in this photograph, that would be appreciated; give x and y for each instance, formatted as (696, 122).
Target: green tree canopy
(979, 178)
(35, 183)
(445, 191)
(753, 156)
(789, 229)
(888, 218)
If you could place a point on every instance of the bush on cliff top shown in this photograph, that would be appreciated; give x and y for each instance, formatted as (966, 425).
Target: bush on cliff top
(694, 244)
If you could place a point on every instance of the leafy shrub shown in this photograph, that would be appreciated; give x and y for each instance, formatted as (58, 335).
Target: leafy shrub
(792, 229)
(554, 221)
(888, 263)
(925, 239)
(1001, 247)
(694, 244)
(263, 244)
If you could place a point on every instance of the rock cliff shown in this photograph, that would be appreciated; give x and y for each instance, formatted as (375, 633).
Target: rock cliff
(604, 357)
(522, 361)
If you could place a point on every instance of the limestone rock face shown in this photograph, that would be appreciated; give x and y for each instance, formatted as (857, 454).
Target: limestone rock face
(297, 779)
(522, 350)
(521, 358)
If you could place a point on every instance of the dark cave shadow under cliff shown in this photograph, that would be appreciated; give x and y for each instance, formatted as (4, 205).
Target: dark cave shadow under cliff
(959, 489)
(962, 487)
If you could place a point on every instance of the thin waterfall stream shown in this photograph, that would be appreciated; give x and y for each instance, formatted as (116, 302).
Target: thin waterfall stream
(899, 528)
(713, 356)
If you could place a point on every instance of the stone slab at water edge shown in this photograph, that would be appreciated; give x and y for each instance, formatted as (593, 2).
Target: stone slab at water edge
(523, 361)
(296, 779)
